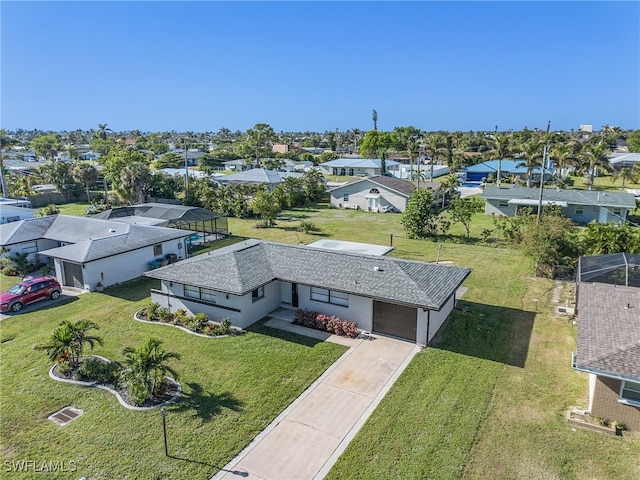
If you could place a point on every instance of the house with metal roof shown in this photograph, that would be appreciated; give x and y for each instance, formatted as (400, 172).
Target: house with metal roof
(88, 251)
(365, 167)
(581, 206)
(374, 194)
(608, 342)
(246, 281)
(620, 160)
(481, 172)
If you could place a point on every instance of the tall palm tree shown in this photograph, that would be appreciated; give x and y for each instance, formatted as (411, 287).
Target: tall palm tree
(435, 147)
(531, 154)
(501, 150)
(102, 131)
(594, 157)
(448, 186)
(146, 367)
(564, 155)
(87, 174)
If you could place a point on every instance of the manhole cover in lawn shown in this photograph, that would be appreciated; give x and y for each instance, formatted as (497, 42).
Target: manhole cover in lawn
(64, 416)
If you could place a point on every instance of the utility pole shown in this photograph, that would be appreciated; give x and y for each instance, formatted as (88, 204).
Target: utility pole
(186, 172)
(544, 163)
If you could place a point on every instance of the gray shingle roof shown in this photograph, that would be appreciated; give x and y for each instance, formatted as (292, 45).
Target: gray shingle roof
(164, 211)
(25, 230)
(240, 268)
(608, 331)
(572, 197)
(132, 237)
(404, 187)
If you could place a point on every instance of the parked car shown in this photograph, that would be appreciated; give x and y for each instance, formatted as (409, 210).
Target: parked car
(29, 291)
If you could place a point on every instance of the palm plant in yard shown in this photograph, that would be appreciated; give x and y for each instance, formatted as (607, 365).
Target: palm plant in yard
(502, 150)
(594, 157)
(146, 368)
(67, 342)
(531, 156)
(626, 175)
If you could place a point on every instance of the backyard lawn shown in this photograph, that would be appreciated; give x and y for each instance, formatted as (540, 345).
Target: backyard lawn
(486, 401)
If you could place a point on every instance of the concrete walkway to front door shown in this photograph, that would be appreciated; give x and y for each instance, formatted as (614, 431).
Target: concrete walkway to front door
(306, 439)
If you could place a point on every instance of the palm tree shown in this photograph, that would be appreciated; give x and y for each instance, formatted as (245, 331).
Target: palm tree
(501, 151)
(67, 341)
(594, 157)
(565, 154)
(87, 174)
(531, 154)
(447, 186)
(434, 147)
(626, 174)
(146, 368)
(102, 131)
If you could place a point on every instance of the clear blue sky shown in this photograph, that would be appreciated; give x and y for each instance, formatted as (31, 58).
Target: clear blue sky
(319, 66)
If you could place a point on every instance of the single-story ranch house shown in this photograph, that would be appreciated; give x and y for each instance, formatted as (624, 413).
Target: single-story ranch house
(608, 344)
(581, 206)
(248, 280)
(508, 169)
(88, 251)
(374, 194)
(364, 167)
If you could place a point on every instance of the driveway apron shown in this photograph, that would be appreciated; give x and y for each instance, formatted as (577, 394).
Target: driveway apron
(306, 439)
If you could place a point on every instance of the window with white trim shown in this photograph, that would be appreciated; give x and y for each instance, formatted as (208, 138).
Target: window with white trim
(579, 209)
(200, 293)
(630, 393)
(157, 250)
(257, 294)
(617, 211)
(345, 197)
(329, 296)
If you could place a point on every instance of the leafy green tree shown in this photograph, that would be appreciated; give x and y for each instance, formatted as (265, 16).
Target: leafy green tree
(420, 218)
(61, 175)
(170, 160)
(291, 192)
(146, 368)
(314, 186)
(633, 140)
(87, 175)
(46, 146)
(374, 117)
(266, 206)
(375, 144)
(166, 186)
(258, 142)
(461, 210)
(605, 238)
(116, 160)
(592, 158)
(549, 242)
(103, 147)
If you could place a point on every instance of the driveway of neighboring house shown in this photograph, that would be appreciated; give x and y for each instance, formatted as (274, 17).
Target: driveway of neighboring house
(306, 439)
(67, 292)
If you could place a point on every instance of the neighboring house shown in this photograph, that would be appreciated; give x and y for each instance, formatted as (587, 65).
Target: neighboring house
(237, 165)
(14, 202)
(258, 176)
(193, 155)
(248, 280)
(12, 213)
(608, 343)
(192, 173)
(581, 206)
(205, 222)
(374, 194)
(363, 167)
(86, 251)
(508, 168)
(419, 169)
(624, 160)
(295, 166)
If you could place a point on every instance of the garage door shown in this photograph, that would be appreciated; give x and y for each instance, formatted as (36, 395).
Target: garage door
(396, 320)
(73, 275)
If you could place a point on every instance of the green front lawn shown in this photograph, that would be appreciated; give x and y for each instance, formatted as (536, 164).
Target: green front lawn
(233, 388)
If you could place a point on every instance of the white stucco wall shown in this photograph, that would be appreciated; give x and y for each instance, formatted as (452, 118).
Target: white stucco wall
(360, 309)
(119, 268)
(433, 320)
(357, 196)
(37, 245)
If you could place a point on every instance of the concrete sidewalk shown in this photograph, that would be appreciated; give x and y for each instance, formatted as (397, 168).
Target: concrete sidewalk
(306, 439)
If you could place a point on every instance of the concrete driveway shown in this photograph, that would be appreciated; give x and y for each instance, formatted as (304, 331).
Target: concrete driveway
(307, 438)
(67, 292)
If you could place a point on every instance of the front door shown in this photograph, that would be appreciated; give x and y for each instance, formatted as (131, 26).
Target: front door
(373, 204)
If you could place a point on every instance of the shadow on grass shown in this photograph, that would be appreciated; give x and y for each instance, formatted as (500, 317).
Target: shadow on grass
(205, 404)
(260, 327)
(233, 472)
(133, 290)
(285, 217)
(493, 333)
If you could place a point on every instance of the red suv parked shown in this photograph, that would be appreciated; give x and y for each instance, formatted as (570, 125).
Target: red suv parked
(29, 291)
